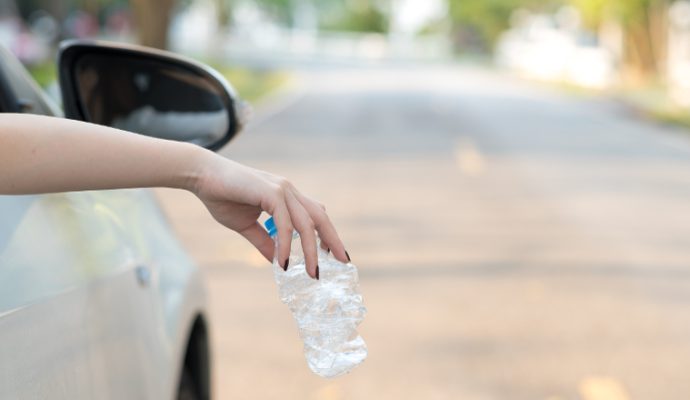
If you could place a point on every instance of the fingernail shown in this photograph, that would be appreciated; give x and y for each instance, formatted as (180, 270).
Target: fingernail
(348, 256)
(287, 261)
(317, 272)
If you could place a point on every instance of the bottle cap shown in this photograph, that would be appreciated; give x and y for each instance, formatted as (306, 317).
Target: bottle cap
(270, 226)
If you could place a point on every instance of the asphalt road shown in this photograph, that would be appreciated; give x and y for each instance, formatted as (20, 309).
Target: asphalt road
(514, 242)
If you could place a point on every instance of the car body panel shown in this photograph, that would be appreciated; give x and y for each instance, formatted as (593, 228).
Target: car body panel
(97, 296)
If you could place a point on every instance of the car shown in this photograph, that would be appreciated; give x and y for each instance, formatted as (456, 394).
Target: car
(98, 299)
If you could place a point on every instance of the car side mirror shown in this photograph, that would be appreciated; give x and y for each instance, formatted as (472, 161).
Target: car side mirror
(148, 91)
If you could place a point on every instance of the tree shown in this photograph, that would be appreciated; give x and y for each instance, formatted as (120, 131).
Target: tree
(643, 23)
(280, 10)
(644, 27)
(479, 23)
(153, 21)
(360, 16)
(224, 12)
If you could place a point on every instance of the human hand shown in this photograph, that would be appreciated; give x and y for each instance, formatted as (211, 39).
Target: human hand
(96, 157)
(235, 195)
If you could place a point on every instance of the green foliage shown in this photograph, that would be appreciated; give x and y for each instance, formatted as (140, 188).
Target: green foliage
(354, 15)
(367, 19)
(489, 18)
(280, 10)
(593, 11)
(644, 31)
(252, 84)
(627, 12)
(634, 11)
(44, 74)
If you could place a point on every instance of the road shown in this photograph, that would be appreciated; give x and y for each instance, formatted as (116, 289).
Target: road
(514, 242)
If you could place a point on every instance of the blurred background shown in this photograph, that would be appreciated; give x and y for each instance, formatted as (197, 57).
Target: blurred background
(512, 178)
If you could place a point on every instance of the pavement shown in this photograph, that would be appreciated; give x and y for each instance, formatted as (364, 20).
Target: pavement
(514, 242)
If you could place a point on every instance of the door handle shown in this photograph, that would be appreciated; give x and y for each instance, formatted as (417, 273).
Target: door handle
(143, 274)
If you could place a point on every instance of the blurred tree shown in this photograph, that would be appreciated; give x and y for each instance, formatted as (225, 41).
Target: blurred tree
(644, 24)
(348, 15)
(478, 23)
(153, 21)
(280, 10)
(369, 19)
(593, 12)
(356, 15)
(92, 7)
(224, 13)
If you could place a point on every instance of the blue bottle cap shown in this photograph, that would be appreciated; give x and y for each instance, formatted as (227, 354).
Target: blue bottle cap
(270, 226)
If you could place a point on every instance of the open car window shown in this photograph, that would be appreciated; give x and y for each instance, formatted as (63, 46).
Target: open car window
(18, 90)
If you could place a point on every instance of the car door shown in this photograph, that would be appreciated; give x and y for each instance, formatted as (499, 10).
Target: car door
(76, 314)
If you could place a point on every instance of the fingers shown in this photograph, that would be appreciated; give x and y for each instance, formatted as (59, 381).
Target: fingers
(283, 222)
(257, 236)
(290, 209)
(305, 226)
(327, 233)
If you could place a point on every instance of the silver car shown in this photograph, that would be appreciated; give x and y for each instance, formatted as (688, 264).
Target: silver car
(97, 297)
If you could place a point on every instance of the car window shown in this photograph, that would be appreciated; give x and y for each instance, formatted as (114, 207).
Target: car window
(25, 94)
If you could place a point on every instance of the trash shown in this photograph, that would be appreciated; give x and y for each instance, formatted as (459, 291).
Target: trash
(327, 311)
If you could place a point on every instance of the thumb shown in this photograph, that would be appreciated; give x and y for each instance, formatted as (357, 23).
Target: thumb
(258, 237)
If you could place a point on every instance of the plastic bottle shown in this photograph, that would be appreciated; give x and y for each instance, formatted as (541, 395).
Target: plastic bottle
(327, 311)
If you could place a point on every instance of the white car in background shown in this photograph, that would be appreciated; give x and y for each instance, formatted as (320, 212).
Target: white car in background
(98, 300)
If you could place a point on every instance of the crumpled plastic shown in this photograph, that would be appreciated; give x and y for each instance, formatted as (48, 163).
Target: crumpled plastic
(327, 312)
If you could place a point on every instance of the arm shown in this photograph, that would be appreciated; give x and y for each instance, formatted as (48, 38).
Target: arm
(44, 154)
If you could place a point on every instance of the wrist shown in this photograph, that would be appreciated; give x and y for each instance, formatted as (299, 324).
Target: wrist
(194, 163)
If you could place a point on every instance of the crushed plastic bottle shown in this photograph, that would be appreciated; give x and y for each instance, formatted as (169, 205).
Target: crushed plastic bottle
(327, 311)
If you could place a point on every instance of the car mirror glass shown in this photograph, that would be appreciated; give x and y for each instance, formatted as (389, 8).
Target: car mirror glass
(150, 94)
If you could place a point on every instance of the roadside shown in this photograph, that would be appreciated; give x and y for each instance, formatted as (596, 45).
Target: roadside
(253, 84)
(651, 102)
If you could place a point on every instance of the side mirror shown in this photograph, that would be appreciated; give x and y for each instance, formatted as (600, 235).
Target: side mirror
(148, 91)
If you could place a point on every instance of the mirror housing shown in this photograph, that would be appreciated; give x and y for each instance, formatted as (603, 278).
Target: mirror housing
(148, 91)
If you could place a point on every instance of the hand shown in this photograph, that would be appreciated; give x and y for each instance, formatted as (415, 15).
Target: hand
(235, 195)
(46, 155)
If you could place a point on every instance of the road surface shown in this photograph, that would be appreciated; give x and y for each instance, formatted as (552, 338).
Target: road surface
(514, 242)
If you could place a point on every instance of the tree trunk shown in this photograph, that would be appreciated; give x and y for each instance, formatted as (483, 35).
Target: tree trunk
(658, 33)
(645, 44)
(640, 63)
(224, 13)
(153, 21)
(92, 7)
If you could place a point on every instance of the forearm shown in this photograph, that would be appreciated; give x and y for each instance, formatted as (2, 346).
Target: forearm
(43, 155)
